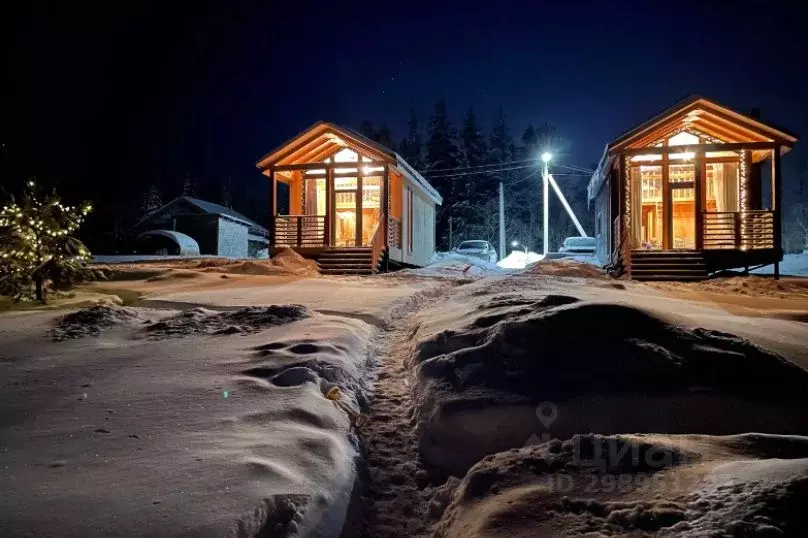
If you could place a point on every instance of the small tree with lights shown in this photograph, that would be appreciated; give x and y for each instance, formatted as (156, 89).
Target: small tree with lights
(37, 249)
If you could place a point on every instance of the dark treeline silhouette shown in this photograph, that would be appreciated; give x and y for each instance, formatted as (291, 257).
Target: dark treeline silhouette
(451, 159)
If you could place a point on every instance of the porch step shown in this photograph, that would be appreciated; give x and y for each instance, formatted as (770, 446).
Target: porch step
(680, 265)
(346, 261)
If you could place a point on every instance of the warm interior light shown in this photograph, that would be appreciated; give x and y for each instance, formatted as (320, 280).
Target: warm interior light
(686, 155)
(683, 139)
(645, 158)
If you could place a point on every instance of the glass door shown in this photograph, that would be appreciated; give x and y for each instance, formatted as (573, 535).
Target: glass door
(682, 185)
(345, 216)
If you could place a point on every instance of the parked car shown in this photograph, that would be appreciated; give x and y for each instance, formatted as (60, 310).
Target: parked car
(579, 246)
(479, 249)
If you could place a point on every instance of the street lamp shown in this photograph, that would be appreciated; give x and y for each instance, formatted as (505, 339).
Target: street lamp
(545, 157)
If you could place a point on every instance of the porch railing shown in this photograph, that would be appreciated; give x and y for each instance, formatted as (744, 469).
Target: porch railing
(377, 244)
(739, 230)
(300, 230)
(394, 233)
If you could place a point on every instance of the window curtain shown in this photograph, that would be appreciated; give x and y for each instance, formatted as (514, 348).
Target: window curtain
(725, 186)
(636, 207)
(729, 192)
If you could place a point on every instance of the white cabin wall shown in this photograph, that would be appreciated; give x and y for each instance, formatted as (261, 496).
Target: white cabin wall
(423, 228)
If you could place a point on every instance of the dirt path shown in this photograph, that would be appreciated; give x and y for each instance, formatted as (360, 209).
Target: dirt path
(394, 501)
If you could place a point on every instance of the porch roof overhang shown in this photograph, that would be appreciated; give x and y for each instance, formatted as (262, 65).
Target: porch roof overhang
(696, 114)
(311, 147)
(320, 141)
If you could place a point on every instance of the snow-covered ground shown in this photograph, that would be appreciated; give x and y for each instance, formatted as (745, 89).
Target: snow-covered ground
(792, 264)
(203, 411)
(183, 420)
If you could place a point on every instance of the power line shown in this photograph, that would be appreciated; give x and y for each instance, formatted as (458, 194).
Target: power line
(576, 168)
(476, 166)
(472, 173)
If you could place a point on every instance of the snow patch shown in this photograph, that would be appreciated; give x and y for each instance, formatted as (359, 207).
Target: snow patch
(93, 320)
(244, 320)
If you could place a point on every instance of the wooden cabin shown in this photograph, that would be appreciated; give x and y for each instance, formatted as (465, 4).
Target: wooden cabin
(692, 191)
(355, 205)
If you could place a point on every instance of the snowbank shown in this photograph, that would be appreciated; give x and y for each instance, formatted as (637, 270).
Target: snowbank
(91, 321)
(200, 320)
(567, 267)
(196, 436)
(749, 485)
(454, 265)
(792, 264)
(518, 259)
(490, 359)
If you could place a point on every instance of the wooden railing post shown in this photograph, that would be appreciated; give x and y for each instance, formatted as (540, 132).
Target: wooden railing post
(299, 230)
(736, 220)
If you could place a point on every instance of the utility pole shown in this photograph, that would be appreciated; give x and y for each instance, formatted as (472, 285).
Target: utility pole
(502, 252)
(545, 157)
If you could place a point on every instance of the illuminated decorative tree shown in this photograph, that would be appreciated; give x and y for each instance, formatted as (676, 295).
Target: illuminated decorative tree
(37, 249)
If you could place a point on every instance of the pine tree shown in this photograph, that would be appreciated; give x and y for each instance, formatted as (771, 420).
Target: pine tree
(411, 147)
(225, 196)
(441, 154)
(474, 190)
(366, 129)
(37, 249)
(384, 136)
(152, 200)
(189, 187)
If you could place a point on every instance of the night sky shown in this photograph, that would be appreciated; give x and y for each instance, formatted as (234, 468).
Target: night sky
(104, 102)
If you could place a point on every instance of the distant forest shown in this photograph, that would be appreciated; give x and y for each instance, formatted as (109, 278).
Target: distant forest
(452, 159)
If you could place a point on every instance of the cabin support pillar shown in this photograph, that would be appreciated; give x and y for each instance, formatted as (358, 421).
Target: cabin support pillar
(699, 178)
(777, 207)
(329, 213)
(359, 191)
(273, 213)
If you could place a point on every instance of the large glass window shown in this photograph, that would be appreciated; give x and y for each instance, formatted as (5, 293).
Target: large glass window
(722, 187)
(647, 222)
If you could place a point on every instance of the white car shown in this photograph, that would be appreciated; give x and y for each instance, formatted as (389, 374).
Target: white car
(478, 249)
(579, 246)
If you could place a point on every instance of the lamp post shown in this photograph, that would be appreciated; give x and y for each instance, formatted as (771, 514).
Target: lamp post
(545, 157)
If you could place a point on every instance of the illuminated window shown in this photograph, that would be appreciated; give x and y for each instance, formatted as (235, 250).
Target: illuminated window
(683, 139)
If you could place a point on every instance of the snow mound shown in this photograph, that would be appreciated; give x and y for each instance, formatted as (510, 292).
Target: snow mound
(289, 260)
(744, 285)
(286, 261)
(632, 485)
(454, 265)
(242, 321)
(566, 268)
(93, 320)
(593, 367)
(518, 259)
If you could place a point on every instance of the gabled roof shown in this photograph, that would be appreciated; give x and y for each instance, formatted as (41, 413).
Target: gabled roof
(324, 138)
(706, 116)
(321, 140)
(202, 206)
(697, 114)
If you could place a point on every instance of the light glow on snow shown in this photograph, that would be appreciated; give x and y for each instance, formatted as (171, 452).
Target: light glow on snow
(518, 259)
